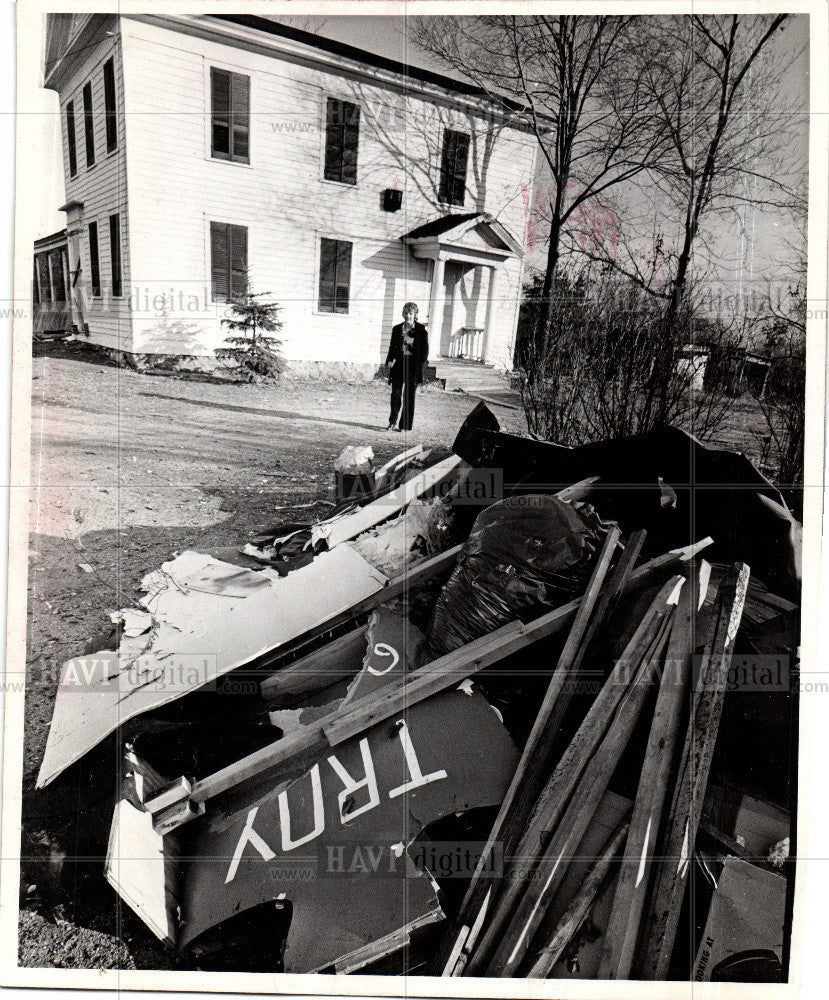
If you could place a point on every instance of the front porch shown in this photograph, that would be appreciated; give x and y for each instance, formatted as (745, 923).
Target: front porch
(468, 253)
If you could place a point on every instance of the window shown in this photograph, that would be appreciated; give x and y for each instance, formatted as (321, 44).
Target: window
(70, 138)
(35, 285)
(342, 131)
(94, 262)
(89, 125)
(58, 276)
(228, 261)
(43, 275)
(115, 254)
(109, 105)
(230, 115)
(335, 275)
(453, 167)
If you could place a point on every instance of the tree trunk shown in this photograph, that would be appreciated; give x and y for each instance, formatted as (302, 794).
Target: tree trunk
(541, 333)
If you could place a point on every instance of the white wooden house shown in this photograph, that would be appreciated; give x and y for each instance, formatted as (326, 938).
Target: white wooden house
(202, 153)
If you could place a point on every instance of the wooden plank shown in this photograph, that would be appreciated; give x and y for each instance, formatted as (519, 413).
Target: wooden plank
(575, 914)
(634, 874)
(518, 935)
(666, 897)
(429, 679)
(570, 771)
(509, 827)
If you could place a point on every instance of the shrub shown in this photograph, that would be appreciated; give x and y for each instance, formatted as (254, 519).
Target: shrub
(251, 354)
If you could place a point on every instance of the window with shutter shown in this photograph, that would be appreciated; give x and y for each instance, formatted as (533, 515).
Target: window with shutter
(342, 138)
(89, 125)
(70, 138)
(43, 274)
(230, 115)
(228, 261)
(453, 167)
(115, 254)
(335, 275)
(109, 105)
(35, 285)
(94, 261)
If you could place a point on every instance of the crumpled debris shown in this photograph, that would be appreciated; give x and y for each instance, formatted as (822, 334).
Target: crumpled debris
(422, 528)
(355, 460)
(779, 853)
(134, 622)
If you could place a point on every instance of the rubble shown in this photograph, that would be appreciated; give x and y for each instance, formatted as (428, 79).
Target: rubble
(569, 738)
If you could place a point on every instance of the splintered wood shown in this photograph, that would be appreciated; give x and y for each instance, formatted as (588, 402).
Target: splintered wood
(663, 691)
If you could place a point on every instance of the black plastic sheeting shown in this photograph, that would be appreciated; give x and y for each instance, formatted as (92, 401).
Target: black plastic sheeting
(522, 554)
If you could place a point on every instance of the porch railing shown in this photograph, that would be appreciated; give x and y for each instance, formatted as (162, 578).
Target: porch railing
(468, 343)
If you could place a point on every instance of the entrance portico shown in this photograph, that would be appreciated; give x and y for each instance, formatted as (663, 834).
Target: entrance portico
(467, 253)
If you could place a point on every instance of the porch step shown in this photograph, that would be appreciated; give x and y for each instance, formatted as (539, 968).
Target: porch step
(470, 376)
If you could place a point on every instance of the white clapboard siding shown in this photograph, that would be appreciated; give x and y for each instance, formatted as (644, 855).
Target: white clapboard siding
(176, 189)
(101, 188)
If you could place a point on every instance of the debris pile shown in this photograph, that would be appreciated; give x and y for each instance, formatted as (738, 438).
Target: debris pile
(518, 736)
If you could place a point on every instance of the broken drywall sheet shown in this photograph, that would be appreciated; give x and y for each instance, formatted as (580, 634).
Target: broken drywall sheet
(210, 617)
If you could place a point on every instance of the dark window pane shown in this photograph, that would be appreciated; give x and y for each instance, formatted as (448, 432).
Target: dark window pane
(453, 167)
(43, 272)
(70, 138)
(35, 284)
(335, 275)
(89, 125)
(58, 277)
(342, 132)
(220, 101)
(238, 261)
(115, 253)
(94, 263)
(220, 260)
(109, 105)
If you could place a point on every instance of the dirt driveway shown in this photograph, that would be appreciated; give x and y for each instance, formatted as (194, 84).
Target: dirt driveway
(128, 468)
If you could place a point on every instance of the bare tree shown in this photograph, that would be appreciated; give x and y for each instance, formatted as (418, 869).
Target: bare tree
(574, 83)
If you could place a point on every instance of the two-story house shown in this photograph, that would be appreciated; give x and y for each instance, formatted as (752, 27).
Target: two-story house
(209, 154)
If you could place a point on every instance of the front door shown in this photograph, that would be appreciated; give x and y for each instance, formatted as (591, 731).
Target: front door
(451, 275)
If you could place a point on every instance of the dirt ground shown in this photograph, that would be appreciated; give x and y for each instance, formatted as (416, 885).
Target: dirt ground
(127, 469)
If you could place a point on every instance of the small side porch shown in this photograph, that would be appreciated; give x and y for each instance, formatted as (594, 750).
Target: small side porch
(468, 254)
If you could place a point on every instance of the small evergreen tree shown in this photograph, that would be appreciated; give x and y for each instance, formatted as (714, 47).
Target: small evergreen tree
(251, 354)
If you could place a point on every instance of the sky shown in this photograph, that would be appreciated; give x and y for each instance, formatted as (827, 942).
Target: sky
(747, 253)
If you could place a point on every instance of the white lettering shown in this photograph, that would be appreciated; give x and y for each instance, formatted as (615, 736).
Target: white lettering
(383, 649)
(248, 836)
(288, 844)
(350, 785)
(413, 764)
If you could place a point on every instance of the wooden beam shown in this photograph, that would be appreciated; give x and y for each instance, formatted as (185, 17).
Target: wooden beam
(317, 670)
(576, 912)
(666, 897)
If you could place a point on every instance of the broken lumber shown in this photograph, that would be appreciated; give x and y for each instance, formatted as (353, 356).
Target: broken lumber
(318, 670)
(576, 912)
(518, 934)
(586, 778)
(634, 874)
(667, 894)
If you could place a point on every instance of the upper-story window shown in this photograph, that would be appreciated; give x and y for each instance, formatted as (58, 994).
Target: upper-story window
(109, 105)
(342, 134)
(89, 124)
(70, 138)
(230, 115)
(453, 167)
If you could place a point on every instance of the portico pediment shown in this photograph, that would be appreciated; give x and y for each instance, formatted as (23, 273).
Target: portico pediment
(474, 238)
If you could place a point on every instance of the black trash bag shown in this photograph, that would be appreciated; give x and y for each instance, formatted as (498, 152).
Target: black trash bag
(523, 554)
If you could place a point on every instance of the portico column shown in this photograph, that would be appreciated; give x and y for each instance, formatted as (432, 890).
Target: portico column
(490, 312)
(436, 298)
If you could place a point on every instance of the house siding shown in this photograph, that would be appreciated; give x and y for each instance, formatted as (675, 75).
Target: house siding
(284, 200)
(101, 188)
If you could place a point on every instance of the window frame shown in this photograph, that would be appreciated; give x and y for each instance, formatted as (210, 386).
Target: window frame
(116, 260)
(110, 105)
(71, 138)
(228, 227)
(318, 299)
(231, 156)
(89, 125)
(447, 196)
(94, 260)
(331, 99)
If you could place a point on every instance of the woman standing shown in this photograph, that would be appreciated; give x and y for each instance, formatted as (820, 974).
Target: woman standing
(408, 351)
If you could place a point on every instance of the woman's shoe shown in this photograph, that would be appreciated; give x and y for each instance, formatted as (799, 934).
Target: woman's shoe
(391, 427)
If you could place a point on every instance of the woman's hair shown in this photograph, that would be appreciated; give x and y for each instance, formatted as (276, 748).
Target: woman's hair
(410, 305)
